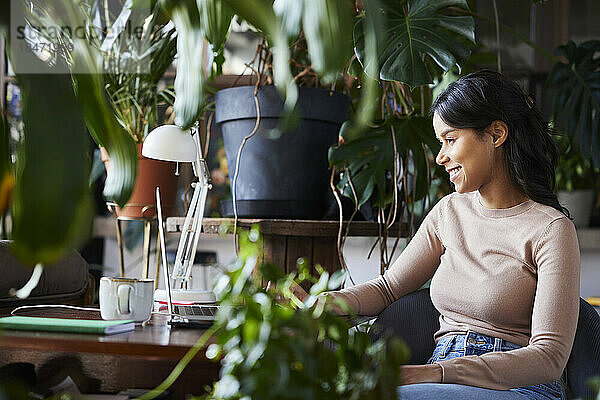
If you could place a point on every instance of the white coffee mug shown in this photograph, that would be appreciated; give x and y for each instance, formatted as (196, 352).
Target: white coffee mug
(126, 298)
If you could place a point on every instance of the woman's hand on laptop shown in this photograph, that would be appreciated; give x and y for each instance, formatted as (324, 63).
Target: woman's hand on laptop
(298, 291)
(295, 289)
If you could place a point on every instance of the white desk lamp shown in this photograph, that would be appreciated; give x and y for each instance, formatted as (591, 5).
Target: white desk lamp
(171, 143)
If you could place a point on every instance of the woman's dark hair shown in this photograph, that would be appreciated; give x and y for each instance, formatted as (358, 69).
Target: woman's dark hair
(480, 98)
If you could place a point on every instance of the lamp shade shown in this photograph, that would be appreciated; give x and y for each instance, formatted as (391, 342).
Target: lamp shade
(170, 143)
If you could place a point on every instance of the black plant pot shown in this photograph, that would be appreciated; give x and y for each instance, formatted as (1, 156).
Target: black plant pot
(287, 177)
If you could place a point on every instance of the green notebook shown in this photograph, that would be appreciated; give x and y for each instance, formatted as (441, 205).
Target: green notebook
(66, 325)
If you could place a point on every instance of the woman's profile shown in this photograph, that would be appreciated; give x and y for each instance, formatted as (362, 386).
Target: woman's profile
(501, 253)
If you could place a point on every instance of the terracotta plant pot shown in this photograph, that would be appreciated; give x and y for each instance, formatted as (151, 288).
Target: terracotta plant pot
(151, 173)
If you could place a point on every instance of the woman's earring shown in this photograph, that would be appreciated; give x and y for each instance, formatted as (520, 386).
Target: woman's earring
(529, 101)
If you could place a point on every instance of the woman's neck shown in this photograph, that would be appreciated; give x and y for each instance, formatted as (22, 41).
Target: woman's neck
(501, 193)
(501, 201)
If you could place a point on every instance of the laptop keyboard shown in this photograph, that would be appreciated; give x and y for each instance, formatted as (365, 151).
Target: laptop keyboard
(196, 310)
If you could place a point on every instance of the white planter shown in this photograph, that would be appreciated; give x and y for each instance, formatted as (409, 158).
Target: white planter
(579, 203)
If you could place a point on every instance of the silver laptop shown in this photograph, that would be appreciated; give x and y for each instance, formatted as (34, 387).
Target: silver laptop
(192, 315)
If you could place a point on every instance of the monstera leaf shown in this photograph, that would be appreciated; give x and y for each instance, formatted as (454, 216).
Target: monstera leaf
(426, 29)
(370, 158)
(577, 100)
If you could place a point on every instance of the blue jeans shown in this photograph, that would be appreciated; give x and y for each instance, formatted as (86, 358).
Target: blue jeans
(473, 343)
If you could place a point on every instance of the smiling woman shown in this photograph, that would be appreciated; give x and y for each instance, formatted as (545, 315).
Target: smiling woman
(501, 253)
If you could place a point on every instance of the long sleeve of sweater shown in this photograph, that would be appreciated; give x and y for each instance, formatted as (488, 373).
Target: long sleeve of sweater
(415, 266)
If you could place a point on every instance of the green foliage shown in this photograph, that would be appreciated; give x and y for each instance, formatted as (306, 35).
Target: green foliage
(328, 30)
(91, 103)
(134, 95)
(274, 346)
(577, 98)
(371, 157)
(105, 128)
(373, 28)
(573, 171)
(43, 231)
(51, 209)
(413, 37)
(190, 79)
(216, 16)
(121, 70)
(261, 14)
(416, 29)
(327, 25)
(400, 41)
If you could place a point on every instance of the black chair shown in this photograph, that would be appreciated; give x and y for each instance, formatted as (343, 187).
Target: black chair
(584, 361)
(414, 319)
(67, 281)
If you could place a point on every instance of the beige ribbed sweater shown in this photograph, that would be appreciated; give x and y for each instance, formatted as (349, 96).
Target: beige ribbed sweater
(510, 273)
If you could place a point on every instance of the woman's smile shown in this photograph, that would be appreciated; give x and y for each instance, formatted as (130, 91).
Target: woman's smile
(454, 171)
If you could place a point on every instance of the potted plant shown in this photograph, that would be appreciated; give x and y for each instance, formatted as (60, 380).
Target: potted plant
(575, 182)
(380, 37)
(140, 47)
(275, 173)
(281, 173)
(136, 47)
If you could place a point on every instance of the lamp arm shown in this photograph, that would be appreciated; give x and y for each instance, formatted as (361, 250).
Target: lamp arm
(180, 260)
(204, 183)
(188, 242)
(197, 227)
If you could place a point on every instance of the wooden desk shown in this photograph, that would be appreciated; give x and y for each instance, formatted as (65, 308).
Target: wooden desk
(97, 363)
(286, 240)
